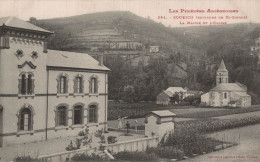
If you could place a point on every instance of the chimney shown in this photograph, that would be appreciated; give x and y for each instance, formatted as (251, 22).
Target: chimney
(33, 20)
(100, 59)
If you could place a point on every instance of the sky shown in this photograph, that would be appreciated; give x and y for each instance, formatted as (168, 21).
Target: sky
(45, 9)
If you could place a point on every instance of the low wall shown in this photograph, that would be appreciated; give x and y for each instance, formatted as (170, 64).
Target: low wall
(64, 156)
(131, 131)
(133, 145)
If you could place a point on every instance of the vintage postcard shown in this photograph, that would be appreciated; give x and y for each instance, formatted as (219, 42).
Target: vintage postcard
(129, 80)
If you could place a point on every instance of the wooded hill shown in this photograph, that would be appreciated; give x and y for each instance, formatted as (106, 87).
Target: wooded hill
(200, 48)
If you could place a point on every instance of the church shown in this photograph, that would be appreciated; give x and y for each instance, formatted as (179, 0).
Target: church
(225, 93)
(47, 94)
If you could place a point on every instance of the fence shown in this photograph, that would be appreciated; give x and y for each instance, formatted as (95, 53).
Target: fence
(132, 131)
(133, 145)
(64, 156)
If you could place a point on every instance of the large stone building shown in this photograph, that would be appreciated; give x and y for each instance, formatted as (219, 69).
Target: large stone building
(225, 93)
(46, 94)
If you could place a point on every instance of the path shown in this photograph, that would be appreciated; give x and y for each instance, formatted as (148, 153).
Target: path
(248, 150)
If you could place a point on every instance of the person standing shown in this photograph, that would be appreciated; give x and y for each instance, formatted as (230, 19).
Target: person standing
(120, 126)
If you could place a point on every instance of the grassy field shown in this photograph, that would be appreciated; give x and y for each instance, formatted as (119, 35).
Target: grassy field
(220, 112)
(138, 110)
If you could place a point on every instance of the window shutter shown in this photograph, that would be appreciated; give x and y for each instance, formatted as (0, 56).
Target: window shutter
(4, 42)
(32, 86)
(58, 85)
(95, 86)
(82, 85)
(75, 84)
(96, 115)
(90, 85)
(66, 85)
(19, 86)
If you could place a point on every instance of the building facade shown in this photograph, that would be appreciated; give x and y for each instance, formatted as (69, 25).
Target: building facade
(46, 94)
(225, 93)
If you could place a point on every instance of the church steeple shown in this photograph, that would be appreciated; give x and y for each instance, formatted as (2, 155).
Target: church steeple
(222, 74)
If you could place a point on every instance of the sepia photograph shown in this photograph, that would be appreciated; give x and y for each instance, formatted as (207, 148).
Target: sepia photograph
(130, 80)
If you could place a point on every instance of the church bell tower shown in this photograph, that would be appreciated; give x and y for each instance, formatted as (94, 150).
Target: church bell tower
(222, 74)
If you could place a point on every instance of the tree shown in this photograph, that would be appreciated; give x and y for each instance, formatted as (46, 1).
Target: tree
(129, 93)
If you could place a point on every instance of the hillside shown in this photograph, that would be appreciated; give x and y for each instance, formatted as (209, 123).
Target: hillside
(123, 34)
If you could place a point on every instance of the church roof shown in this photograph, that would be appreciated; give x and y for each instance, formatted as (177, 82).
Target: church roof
(227, 87)
(222, 66)
(72, 60)
(18, 23)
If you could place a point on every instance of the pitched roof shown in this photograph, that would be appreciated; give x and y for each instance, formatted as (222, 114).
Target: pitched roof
(163, 113)
(72, 60)
(227, 87)
(241, 94)
(173, 90)
(18, 23)
(222, 66)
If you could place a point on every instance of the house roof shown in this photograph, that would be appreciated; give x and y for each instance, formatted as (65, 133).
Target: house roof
(194, 92)
(72, 60)
(222, 67)
(227, 87)
(173, 90)
(18, 23)
(163, 113)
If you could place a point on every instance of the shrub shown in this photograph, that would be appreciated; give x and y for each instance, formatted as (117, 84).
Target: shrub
(26, 158)
(135, 156)
(111, 139)
(86, 157)
(166, 152)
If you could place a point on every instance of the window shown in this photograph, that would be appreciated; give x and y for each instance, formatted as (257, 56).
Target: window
(23, 85)
(26, 84)
(61, 116)
(62, 84)
(62, 87)
(78, 115)
(92, 114)
(219, 80)
(78, 85)
(93, 85)
(30, 84)
(25, 119)
(225, 95)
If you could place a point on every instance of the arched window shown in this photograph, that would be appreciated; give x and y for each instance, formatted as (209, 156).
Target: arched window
(78, 84)
(25, 119)
(78, 114)
(62, 87)
(93, 85)
(61, 116)
(26, 83)
(23, 85)
(92, 116)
